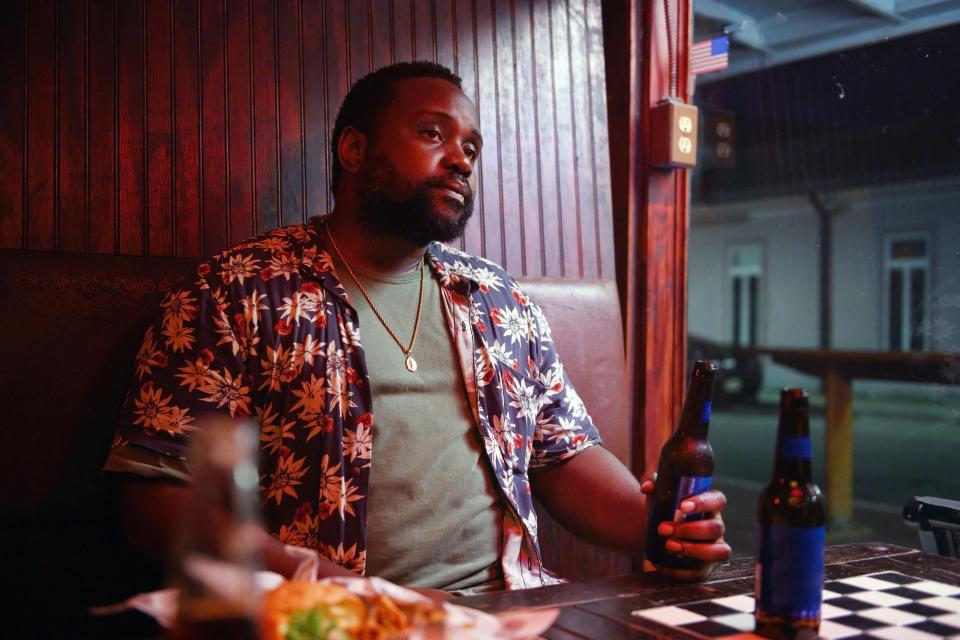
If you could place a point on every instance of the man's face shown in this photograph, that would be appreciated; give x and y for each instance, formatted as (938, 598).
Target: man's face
(417, 181)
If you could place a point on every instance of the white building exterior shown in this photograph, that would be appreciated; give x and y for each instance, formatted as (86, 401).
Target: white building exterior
(895, 261)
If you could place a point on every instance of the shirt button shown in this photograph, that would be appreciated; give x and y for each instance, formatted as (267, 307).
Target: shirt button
(463, 325)
(355, 471)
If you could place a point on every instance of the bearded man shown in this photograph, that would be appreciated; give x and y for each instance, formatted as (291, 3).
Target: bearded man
(409, 397)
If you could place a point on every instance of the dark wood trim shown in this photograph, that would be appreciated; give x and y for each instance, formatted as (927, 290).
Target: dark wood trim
(650, 218)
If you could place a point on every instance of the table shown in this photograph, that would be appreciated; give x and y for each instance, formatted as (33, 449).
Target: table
(838, 369)
(601, 608)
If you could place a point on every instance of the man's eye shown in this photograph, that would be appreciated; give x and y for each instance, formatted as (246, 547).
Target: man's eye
(433, 134)
(470, 152)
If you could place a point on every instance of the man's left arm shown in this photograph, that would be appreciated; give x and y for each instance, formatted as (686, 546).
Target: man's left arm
(588, 490)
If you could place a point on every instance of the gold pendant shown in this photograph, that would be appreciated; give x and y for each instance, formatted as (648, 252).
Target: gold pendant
(411, 364)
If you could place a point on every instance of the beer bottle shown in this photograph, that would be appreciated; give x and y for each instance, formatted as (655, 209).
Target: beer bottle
(790, 534)
(217, 551)
(685, 469)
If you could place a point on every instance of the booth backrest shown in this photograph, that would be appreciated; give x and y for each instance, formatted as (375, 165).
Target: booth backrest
(71, 324)
(585, 321)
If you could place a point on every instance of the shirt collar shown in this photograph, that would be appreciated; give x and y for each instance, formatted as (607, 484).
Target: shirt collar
(444, 262)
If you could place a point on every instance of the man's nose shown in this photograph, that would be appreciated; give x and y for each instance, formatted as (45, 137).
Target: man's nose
(457, 160)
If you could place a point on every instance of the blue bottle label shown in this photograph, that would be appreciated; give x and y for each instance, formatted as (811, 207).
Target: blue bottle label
(690, 486)
(792, 447)
(705, 414)
(789, 572)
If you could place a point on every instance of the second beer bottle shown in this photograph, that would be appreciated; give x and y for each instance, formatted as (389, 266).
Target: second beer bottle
(790, 532)
(685, 469)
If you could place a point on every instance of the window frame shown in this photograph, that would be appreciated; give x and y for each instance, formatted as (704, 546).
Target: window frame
(906, 266)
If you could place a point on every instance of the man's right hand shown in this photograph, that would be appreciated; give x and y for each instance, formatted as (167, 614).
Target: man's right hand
(153, 513)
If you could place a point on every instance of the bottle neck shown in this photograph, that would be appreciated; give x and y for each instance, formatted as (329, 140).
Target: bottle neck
(793, 446)
(695, 417)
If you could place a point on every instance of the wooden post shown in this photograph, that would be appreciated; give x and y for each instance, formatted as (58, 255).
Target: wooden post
(650, 215)
(838, 443)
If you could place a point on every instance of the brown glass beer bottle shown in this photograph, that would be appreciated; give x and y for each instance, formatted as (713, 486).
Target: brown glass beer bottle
(790, 533)
(685, 469)
(217, 553)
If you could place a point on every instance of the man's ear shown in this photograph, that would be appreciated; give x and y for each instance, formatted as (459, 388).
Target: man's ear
(351, 149)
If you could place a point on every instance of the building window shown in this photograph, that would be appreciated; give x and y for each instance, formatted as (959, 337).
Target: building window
(907, 286)
(744, 270)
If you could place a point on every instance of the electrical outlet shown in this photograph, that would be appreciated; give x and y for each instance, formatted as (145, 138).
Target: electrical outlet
(673, 125)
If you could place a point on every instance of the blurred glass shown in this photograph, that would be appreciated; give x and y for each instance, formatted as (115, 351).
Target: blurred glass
(217, 554)
(824, 219)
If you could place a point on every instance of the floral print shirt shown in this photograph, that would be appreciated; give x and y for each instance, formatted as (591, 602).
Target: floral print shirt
(265, 329)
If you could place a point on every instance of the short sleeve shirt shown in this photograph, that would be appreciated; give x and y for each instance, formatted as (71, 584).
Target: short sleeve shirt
(263, 329)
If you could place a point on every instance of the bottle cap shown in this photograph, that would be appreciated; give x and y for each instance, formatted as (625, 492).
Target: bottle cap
(794, 397)
(704, 369)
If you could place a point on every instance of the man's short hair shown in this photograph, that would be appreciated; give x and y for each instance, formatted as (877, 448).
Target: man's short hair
(369, 97)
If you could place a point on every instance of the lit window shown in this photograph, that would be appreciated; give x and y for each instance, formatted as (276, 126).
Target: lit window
(745, 270)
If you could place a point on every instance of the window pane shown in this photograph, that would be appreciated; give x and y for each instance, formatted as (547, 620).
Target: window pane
(917, 301)
(896, 310)
(909, 249)
(737, 321)
(746, 258)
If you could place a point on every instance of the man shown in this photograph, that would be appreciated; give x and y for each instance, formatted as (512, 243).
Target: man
(409, 395)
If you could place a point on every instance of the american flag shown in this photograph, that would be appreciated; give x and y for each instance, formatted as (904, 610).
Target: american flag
(709, 55)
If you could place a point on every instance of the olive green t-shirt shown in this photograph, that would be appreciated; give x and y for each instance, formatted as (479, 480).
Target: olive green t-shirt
(434, 516)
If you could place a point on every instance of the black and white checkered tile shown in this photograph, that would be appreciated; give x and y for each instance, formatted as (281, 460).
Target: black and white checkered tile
(888, 604)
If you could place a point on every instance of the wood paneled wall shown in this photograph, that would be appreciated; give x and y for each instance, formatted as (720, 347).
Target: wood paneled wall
(176, 127)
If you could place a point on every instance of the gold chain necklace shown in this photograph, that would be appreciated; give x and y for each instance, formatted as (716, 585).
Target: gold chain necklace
(409, 362)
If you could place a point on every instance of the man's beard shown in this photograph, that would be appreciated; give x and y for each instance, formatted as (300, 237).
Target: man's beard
(390, 206)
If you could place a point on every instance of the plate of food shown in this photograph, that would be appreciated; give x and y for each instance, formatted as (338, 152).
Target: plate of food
(348, 608)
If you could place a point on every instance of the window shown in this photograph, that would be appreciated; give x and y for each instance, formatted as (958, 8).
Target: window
(744, 270)
(906, 283)
(824, 239)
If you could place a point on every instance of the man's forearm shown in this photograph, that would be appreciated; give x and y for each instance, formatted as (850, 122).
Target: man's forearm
(153, 513)
(597, 498)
